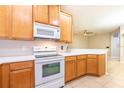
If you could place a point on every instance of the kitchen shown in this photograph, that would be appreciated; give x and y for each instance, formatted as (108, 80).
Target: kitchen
(38, 50)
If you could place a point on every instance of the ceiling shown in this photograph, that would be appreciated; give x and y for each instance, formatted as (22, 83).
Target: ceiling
(95, 18)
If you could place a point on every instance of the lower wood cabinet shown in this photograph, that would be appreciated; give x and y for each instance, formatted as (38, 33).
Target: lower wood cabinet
(0, 76)
(17, 75)
(96, 64)
(70, 68)
(76, 66)
(21, 78)
(92, 66)
(81, 67)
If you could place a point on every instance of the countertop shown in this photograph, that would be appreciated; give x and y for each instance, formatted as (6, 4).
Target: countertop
(12, 59)
(74, 52)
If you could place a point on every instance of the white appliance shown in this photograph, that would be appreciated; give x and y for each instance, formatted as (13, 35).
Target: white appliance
(46, 31)
(49, 68)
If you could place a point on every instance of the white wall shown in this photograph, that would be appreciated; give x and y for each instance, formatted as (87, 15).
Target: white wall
(16, 47)
(122, 44)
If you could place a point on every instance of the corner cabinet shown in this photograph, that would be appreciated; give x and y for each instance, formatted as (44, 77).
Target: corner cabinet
(96, 64)
(17, 75)
(22, 22)
(66, 27)
(5, 21)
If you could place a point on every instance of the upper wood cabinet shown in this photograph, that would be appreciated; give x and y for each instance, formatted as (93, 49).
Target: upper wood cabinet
(5, 21)
(54, 15)
(40, 13)
(22, 22)
(66, 27)
(47, 14)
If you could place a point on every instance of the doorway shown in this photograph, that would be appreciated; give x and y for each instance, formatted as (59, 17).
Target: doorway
(115, 45)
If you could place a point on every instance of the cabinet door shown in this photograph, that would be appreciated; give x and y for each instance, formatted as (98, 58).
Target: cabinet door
(5, 21)
(92, 66)
(21, 78)
(66, 27)
(22, 22)
(54, 15)
(101, 64)
(40, 13)
(70, 70)
(0, 76)
(81, 67)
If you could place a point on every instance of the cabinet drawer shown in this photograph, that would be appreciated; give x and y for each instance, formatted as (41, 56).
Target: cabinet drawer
(21, 65)
(81, 57)
(91, 56)
(69, 58)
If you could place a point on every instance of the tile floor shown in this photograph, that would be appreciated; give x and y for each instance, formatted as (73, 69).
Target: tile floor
(114, 78)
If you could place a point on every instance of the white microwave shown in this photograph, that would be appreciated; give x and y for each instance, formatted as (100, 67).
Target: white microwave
(46, 31)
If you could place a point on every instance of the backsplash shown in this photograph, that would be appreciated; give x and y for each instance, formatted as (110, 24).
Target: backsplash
(16, 47)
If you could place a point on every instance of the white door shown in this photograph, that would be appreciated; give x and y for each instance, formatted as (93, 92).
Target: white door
(115, 45)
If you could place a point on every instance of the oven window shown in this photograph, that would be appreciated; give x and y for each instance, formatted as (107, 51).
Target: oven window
(51, 69)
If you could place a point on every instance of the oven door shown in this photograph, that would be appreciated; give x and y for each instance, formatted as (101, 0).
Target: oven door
(48, 70)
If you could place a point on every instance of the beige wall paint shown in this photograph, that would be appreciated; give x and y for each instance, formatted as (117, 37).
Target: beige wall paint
(79, 41)
(99, 41)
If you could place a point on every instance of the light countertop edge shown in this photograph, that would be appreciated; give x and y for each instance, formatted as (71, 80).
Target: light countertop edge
(13, 59)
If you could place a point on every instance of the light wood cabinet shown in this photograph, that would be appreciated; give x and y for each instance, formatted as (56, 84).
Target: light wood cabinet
(66, 27)
(0, 76)
(21, 78)
(54, 15)
(40, 13)
(76, 66)
(92, 66)
(101, 64)
(47, 14)
(17, 75)
(96, 64)
(5, 21)
(81, 65)
(70, 69)
(22, 22)
(16, 22)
